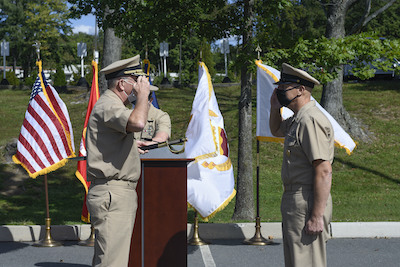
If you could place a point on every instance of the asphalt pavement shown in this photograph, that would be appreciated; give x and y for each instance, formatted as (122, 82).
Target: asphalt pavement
(352, 252)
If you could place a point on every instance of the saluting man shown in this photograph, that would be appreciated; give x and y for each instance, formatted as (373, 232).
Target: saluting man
(306, 173)
(113, 164)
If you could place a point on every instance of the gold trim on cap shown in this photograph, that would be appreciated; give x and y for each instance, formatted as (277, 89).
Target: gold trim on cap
(138, 71)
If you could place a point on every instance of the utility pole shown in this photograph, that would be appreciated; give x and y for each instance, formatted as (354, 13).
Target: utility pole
(5, 51)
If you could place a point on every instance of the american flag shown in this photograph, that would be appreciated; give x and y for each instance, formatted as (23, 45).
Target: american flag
(46, 139)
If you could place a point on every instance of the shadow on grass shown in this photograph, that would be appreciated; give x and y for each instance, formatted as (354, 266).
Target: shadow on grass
(380, 174)
(28, 206)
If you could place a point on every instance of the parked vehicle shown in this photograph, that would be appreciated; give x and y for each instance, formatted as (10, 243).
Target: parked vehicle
(389, 73)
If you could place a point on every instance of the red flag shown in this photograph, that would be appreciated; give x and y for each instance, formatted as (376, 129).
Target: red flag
(46, 140)
(81, 169)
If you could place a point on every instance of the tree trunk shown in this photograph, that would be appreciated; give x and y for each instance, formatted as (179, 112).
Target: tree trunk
(112, 49)
(244, 206)
(332, 94)
(332, 101)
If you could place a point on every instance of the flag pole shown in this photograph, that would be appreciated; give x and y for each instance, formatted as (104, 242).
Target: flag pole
(196, 240)
(90, 241)
(47, 241)
(258, 239)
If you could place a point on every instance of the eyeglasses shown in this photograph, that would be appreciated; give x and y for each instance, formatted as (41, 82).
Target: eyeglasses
(127, 81)
(285, 90)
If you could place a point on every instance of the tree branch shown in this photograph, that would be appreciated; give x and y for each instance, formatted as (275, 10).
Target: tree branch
(365, 19)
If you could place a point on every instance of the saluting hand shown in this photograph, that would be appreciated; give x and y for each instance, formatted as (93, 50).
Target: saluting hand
(142, 87)
(274, 100)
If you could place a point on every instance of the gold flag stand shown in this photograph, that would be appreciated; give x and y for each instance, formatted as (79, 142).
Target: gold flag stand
(47, 241)
(196, 240)
(257, 238)
(90, 241)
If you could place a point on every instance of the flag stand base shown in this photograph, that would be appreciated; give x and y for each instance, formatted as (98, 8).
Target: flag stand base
(47, 241)
(196, 240)
(257, 239)
(90, 241)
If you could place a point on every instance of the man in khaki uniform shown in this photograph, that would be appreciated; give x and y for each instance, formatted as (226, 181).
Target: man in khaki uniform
(157, 128)
(306, 205)
(113, 164)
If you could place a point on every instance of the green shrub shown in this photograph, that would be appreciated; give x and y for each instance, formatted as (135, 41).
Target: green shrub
(12, 78)
(30, 80)
(59, 77)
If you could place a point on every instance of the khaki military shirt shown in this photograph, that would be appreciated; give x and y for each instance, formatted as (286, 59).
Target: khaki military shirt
(111, 151)
(157, 121)
(309, 136)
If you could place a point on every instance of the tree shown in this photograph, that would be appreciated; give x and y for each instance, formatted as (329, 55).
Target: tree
(59, 77)
(148, 22)
(366, 16)
(332, 99)
(244, 207)
(11, 23)
(387, 24)
(325, 56)
(28, 21)
(104, 11)
(112, 48)
(279, 24)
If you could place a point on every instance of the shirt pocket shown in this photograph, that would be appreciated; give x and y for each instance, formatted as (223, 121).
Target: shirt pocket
(292, 145)
(149, 130)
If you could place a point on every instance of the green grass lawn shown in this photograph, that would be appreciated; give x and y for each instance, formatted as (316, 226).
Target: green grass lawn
(366, 184)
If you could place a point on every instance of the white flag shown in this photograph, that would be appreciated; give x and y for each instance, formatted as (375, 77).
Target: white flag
(266, 77)
(211, 183)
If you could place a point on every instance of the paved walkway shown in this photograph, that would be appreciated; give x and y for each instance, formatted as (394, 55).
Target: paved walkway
(359, 252)
(353, 244)
(239, 231)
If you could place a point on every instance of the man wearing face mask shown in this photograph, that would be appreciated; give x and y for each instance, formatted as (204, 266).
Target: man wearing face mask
(306, 173)
(113, 164)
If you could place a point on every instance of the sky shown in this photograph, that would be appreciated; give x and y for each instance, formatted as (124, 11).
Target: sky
(85, 24)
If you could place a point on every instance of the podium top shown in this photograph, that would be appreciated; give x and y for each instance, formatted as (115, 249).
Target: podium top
(164, 153)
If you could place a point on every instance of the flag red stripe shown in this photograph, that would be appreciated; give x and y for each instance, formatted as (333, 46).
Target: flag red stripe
(23, 160)
(39, 140)
(31, 151)
(56, 123)
(57, 108)
(46, 129)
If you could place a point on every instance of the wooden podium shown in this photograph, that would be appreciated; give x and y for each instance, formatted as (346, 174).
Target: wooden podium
(159, 236)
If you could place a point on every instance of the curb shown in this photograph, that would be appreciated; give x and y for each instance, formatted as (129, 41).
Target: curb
(32, 233)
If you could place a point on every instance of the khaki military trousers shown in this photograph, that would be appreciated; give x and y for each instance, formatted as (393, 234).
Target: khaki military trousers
(300, 249)
(112, 206)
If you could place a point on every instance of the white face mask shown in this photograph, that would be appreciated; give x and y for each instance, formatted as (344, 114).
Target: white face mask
(131, 97)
